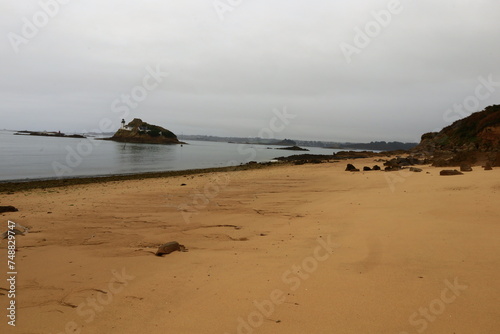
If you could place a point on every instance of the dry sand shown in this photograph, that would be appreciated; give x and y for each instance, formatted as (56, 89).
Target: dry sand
(313, 248)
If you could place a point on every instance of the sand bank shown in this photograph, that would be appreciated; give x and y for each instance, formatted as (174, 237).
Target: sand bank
(291, 249)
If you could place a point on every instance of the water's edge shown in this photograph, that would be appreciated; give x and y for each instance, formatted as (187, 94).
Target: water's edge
(11, 187)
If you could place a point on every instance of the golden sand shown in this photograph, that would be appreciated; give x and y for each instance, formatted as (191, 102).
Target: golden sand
(288, 249)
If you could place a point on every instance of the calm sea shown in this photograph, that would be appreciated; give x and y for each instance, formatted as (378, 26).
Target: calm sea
(33, 157)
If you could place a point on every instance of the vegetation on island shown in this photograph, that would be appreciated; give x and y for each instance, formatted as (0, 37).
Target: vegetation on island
(141, 132)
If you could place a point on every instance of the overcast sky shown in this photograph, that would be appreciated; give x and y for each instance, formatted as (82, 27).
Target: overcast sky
(341, 74)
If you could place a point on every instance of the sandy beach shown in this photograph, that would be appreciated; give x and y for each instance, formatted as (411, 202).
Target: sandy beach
(285, 249)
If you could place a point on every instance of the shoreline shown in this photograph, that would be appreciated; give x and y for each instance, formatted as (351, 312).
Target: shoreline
(11, 186)
(16, 185)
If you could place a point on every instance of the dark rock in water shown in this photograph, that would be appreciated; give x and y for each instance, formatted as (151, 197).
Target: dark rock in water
(8, 208)
(49, 134)
(376, 167)
(366, 168)
(351, 168)
(293, 148)
(416, 170)
(170, 247)
(465, 168)
(488, 166)
(447, 172)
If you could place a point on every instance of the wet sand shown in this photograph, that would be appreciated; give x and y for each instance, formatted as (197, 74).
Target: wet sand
(285, 249)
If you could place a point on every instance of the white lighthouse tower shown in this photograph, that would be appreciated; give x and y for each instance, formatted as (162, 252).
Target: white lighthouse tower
(125, 127)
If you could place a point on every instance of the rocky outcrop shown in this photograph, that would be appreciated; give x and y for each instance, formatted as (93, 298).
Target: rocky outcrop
(141, 132)
(473, 140)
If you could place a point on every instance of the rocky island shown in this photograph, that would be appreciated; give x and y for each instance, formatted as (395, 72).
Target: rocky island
(293, 148)
(141, 132)
(47, 134)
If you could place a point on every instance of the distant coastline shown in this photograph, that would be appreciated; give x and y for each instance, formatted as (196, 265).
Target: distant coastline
(374, 145)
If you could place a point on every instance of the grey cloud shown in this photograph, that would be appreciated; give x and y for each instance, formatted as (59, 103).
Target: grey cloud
(227, 76)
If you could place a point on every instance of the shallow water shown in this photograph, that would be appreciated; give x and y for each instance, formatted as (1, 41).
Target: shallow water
(33, 157)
